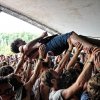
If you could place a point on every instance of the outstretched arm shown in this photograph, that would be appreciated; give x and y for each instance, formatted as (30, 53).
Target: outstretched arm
(97, 60)
(20, 64)
(29, 45)
(37, 69)
(77, 38)
(64, 60)
(74, 58)
(83, 77)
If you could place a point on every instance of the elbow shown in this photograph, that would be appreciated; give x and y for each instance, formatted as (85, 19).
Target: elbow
(80, 85)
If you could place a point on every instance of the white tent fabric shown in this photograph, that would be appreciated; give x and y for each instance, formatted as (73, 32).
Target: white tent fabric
(58, 16)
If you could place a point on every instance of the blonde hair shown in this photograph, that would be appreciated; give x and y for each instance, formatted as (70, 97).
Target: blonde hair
(93, 87)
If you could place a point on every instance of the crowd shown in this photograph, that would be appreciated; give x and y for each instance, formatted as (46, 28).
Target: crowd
(58, 67)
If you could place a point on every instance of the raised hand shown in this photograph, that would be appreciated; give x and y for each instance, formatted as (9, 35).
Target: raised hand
(94, 51)
(70, 44)
(79, 46)
(44, 34)
(42, 51)
(89, 50)
(97, 59)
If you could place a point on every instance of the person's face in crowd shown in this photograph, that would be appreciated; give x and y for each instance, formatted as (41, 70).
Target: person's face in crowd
(77, 66)
(56, 78)
(7, 92)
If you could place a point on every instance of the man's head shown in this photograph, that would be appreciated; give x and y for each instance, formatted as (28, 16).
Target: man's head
(15, 81)
(93, 87)
(6, 89)
(6, 70)
(79, 66)
(68, 77)
(16, 44)
(50, 78)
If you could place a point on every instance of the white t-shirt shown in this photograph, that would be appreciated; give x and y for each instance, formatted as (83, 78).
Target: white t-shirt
(56, 95)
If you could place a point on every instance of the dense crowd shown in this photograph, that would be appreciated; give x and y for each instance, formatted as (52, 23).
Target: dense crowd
(58, 67)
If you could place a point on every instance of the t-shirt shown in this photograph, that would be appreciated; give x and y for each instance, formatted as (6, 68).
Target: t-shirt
(58, 43)
(85, 96)
(36, 89)
(56, 95)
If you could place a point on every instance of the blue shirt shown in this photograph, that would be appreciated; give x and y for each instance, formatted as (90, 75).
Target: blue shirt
(58, 44)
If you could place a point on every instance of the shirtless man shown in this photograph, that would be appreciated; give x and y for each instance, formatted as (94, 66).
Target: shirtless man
(57, 44)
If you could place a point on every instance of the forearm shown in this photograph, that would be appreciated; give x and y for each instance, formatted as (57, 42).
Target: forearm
(78, 85)
(63, 62)
(35, 75)
(19, 65)
(85, 75)
(33, 42)
(73, 60)
(76, 38)
(28, 71)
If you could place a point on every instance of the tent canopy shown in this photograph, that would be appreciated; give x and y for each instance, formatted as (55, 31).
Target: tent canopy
(57, 16)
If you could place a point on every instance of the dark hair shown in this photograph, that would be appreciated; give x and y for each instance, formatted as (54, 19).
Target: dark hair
(14, 47)
(3, 80)
(4, 63)
(17, 85)
(94, 87)
(68, 77)
(81, 65)
(14, 82)
(6, 70)
(47, 77)
(45, 64)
